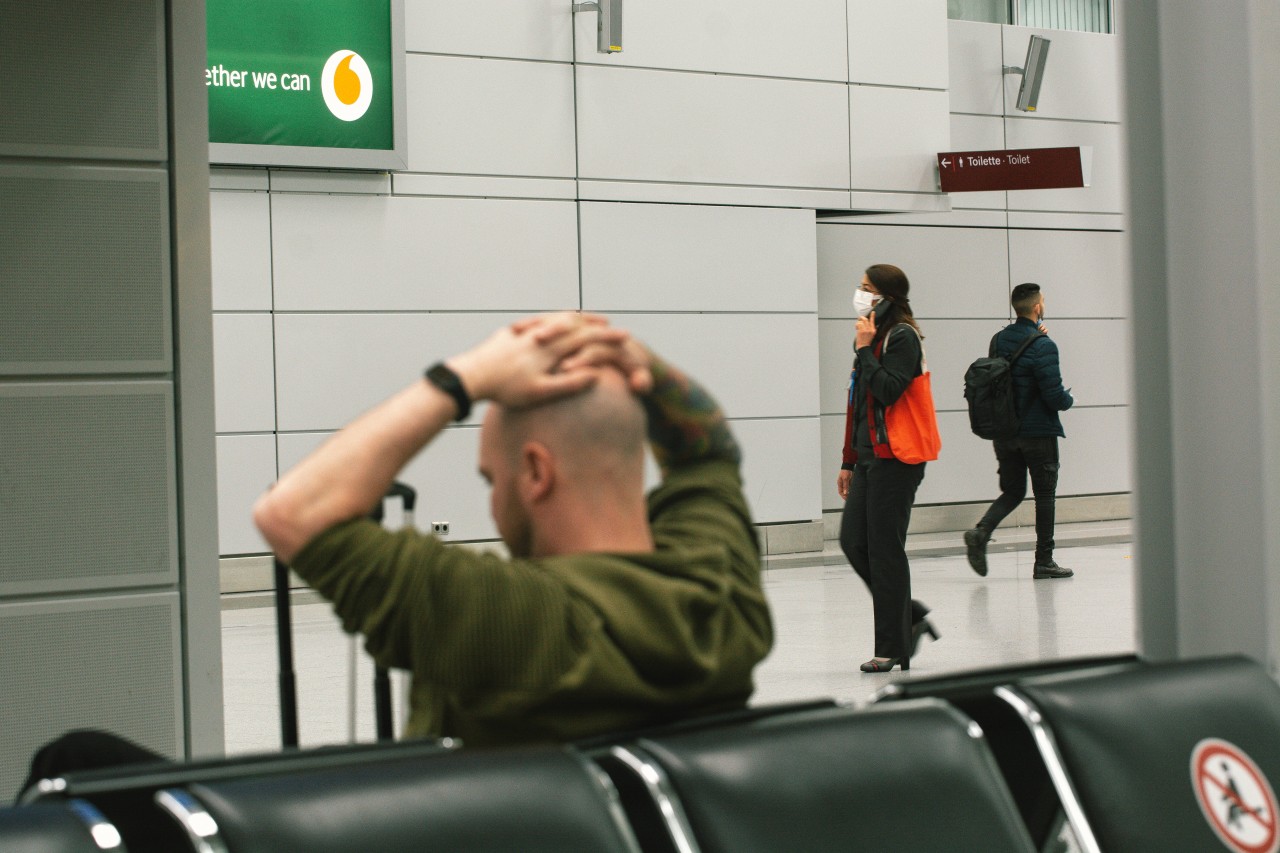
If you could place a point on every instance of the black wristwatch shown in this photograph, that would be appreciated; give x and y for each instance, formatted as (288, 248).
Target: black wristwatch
(450, 383)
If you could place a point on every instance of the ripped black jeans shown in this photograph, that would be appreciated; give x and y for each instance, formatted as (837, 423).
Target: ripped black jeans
(1037, 456)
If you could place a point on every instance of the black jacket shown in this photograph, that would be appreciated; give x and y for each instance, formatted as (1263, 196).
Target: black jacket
(1037, 380)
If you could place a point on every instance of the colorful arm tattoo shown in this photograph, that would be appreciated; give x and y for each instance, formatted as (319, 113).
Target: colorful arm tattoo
(685, 422)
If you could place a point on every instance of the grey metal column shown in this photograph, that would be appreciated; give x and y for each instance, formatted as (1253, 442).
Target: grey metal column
(1203, 124)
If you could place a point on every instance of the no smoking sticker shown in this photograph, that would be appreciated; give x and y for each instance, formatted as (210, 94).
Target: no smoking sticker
(1235, 797)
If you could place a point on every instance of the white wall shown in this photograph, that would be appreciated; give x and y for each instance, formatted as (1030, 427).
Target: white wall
(671, 186)
(963, 263)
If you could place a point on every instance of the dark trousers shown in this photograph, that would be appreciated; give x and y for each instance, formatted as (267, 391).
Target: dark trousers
(1017, 457)
(873, 535)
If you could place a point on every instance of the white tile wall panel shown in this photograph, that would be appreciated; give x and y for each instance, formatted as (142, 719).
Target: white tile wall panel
(484, 187)
(835, 358)
(1096, 455)
(896, 136)
(800, 40)
(1062, 221)
(1094, 356)
(975, 61)
(1081, 77)
(780, 468)
(489, 116)
(445, 475)
(1084, 273)
(303, 181)
(932, 202)
(755, 365)
(246, 467)
(224, 178)
(1106, 192)
(954, 272)
(956, 218)
(518, 29)
(332, 367)
(665, 257)
(898, 42)
(243, 373)
(240, 250)
(831, 438)
(978, 133)
(637, 125)
(716, 194)
(357, 253)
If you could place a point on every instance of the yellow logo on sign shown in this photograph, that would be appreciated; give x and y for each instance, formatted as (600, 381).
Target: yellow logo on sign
(347, 85)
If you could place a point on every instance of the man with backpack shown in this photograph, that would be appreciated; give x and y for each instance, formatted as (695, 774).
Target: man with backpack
(1038, 396)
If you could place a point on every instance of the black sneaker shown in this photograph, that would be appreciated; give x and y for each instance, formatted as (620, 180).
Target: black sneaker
(975, 543)
(1050, 570)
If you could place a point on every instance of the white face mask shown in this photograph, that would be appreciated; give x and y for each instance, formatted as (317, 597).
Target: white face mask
(863, 302)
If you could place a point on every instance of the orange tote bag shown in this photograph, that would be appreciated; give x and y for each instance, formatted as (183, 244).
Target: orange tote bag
(911, 421)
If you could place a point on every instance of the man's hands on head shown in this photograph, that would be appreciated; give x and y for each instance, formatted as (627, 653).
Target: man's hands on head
(548, 356)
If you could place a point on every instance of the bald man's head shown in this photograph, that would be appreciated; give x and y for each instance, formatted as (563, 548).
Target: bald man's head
(601, 429)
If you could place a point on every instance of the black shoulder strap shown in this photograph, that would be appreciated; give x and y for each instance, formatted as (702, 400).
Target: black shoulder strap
(991, 350)
(1023, 346)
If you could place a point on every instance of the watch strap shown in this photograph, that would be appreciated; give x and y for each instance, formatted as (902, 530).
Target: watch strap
(441, 376)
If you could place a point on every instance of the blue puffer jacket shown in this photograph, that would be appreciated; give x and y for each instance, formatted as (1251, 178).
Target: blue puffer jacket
(1037, 380)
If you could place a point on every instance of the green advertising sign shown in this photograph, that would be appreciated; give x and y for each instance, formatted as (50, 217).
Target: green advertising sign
(306, 82)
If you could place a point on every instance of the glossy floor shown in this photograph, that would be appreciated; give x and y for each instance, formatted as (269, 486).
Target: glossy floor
(823, 626)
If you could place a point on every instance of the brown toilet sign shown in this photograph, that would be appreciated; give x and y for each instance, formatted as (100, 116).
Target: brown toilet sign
(1235, 797)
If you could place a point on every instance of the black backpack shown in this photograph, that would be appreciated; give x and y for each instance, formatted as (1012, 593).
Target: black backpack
(988, 387)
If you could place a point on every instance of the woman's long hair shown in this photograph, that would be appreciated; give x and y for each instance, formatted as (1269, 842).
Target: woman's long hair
(894, 289)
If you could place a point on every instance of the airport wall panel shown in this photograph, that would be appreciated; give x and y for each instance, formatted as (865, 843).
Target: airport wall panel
(67, 92)
(835, 359)
(489, 116)
(896, 135)
(898, 42)
(978, 133)
(667, 257)
(1083, 273)
(975, 62)
(90, 663)
(89, 497)
(780, 468)
(86, 273)
(332, 367)
(954, 272)
(736, 357)
(246, 468)
(1106, 192)
(515, 29)
(378, 253)
(1081, 74)
(637, 125)
(764, 39)
(240, 248)
(244, 373)
(1094, 357)
(446, 476)
(1097, 453)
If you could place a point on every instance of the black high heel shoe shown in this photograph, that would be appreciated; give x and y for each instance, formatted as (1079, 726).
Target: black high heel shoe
(875, 665)
(918, 630)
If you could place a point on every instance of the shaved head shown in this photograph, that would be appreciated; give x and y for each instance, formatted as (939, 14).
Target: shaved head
(603, 428)
(595, 441)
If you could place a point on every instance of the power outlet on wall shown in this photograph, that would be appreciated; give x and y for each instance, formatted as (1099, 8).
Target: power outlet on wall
(440, 528)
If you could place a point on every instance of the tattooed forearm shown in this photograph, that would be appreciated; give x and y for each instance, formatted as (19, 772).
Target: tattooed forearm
(685, 422)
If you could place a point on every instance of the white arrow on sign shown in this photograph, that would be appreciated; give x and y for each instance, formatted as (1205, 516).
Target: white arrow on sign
(946, 164)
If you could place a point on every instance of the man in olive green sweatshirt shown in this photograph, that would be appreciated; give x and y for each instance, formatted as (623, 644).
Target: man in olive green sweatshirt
(613, 610)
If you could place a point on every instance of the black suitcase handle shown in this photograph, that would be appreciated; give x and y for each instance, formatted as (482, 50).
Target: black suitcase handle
(384, 720)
